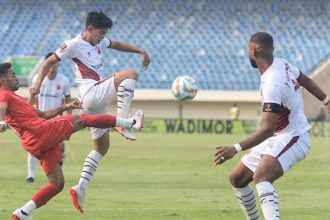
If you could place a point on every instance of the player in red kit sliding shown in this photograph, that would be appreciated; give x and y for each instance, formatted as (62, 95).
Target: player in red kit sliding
(41, 133)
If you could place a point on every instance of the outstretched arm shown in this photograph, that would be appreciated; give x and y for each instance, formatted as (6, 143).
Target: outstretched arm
(43, 72)
(267, 129)
(54, 112)
(3, 108)
(125, 47)
(311, 87)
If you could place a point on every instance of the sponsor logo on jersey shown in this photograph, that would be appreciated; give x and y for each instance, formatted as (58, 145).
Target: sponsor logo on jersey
(63, 47)
(268, 107)
(58, 86)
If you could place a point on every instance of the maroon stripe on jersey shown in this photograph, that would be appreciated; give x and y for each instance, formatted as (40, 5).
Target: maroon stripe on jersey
(86, 72)
(283, 120)
(288, 146)
(57, 56)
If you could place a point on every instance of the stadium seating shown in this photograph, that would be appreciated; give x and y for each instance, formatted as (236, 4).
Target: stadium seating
(205, 39)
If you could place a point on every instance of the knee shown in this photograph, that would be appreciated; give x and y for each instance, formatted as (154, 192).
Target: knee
(234, 180)
(237, 180)
(58, 185)
(131, 74)
(258, 177)
(102, 148)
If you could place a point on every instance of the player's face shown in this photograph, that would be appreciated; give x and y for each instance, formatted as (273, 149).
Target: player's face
(251, 55)
(11, 81)
(53, 71)
(97, 34)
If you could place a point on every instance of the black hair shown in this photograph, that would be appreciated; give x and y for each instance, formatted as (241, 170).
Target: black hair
(48, 55)
(264, 39)
(4, 67)
(98, 19)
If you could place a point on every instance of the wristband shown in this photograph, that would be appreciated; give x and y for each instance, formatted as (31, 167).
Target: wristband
(238, 147)
(326, 100)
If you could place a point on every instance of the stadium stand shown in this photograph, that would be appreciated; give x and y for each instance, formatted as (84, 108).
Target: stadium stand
(205, 39)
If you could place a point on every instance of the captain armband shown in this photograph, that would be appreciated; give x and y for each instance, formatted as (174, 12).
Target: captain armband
(271, 107)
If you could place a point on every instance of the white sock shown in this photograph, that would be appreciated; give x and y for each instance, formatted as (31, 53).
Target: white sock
(247, 201)
(29, 206)
(90, 165)
(125, 94)
(125, 123)
(31, 163)
(268, 200)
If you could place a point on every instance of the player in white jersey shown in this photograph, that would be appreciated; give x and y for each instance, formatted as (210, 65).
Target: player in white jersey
(283, 138)
(54, 90)
(85, 53)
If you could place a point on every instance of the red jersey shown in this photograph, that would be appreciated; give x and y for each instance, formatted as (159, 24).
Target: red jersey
(33, 130)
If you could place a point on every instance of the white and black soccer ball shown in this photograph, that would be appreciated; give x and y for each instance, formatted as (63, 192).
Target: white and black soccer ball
(184, 88)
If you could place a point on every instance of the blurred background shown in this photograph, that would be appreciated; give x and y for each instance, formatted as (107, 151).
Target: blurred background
(205, 39)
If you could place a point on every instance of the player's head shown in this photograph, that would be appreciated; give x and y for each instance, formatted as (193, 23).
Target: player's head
(53, 69)
(8, 79)
(97, 25)
(260, 47)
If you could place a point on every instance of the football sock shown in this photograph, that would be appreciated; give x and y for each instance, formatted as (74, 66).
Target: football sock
(125, 94)
(91, 162)
(268, 200)
(45, 194)
(31, 162)
(247, 200)
(98, 121)
(28, 207)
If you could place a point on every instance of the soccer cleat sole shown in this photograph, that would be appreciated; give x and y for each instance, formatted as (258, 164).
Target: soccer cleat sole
(75, 200)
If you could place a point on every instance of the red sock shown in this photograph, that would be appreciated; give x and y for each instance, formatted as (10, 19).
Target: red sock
(45, 194)
(98, 121)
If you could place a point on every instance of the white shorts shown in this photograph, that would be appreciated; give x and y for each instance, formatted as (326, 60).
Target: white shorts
(287, 149)
(95, 98)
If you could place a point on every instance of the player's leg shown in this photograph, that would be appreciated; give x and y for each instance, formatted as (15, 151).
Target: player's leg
(100, 148)
(285, 152)
(101, 145)
(267, 172)
(40, 198)
(124, 82)
(240, 178)
(31, 165)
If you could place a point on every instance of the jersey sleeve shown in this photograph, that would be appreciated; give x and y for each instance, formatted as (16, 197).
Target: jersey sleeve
(295, 71)
(271, 93)
(106, 42)
(66, 50)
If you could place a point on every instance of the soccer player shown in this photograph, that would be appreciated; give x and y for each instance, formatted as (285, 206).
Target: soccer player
(41, 134)
(85, 53)
(283, 138)
(54, 89)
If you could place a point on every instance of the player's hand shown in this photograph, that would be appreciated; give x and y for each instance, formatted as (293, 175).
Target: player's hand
(3, 126)
(223, 154)
(145, 60)
(76, 104)
(34, 90)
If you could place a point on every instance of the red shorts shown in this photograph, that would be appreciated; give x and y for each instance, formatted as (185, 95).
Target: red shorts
(56, 130)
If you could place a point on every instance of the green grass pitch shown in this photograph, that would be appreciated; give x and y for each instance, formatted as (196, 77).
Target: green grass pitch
(168, 177)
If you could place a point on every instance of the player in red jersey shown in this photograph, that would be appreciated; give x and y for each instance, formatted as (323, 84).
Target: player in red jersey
(41, 134)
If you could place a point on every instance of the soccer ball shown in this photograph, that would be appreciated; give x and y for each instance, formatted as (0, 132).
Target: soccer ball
(184, 88)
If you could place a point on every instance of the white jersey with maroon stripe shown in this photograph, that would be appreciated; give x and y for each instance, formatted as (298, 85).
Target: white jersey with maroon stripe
(279, 85)
(52, 92)
(86, 58)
